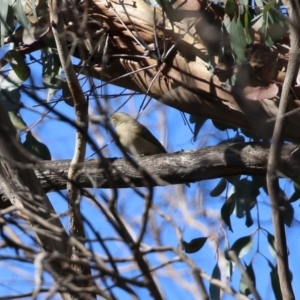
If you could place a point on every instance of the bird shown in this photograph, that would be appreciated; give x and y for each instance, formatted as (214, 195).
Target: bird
(134, 136)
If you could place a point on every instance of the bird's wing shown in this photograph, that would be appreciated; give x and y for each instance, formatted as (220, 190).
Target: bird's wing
(150, 137)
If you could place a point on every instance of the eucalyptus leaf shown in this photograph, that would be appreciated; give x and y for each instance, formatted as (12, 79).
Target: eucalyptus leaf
(19, 12)
(17, 121)
(243, 245)
(259, 182)
(6, 20)
(199, 122)
(229, 268)
(245, 197)
(18, 64)
(259, 3)
(36, 148)
(52, 81)
(233, 179)
(275, 282)
(249, 220)
(219, 188)
(288, 213)
(214, 290)
(194, 245)
(10, 95)
(271, 245)
(230, 7)
(269, 6)
(238, 40)
(244, 289)
(154, 3)
(243, 5)
(296, 195)
(222, 126)
(227, 210)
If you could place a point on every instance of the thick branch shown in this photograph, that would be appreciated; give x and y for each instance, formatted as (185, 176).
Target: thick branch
(184, 81)
(23, 189)
(172, 168)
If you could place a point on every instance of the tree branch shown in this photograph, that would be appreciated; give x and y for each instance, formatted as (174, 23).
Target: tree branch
(171, 168)
(274, 190)
(23, 189)
(81, 112)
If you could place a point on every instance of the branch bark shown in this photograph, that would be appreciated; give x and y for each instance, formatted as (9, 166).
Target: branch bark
(275, 193)
(171, 168)
(184, 81)
(23, 189)
(81, 112)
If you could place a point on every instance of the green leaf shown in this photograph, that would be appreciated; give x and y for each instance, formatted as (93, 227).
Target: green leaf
(51, 62)
(275, 282)
(36, 148)
(249, 220)
(18, 64)
(199, 122)
(219, 188)
(230, 7)
(269, 6)
(17, 121)
(52, 81)
(10, 96)
(194, 245)
(259, 182)
(154, 3)
(238, 40)
(233, 179)
(227, 210)
(288, 210)
(295, 196)
(271, 245)
(288, 214)
(51, 69)
(244, 289)
(259, 3)
(245, 197)
(229, 268)
(214, 291)
(246, 18)
(19, 12)
(243, 4)
(243, 245)
(6, 20)
(222, 126)
(50, 94)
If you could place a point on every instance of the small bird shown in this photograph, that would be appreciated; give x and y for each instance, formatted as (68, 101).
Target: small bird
(135, 137)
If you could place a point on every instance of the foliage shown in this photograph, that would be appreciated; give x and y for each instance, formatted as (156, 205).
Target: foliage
(133, 239)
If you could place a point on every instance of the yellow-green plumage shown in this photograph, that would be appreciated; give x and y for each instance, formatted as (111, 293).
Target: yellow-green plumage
(135, 137)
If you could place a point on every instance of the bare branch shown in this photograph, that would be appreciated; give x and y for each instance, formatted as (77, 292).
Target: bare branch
(81, 112)
(23, 189)
(276, 196)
